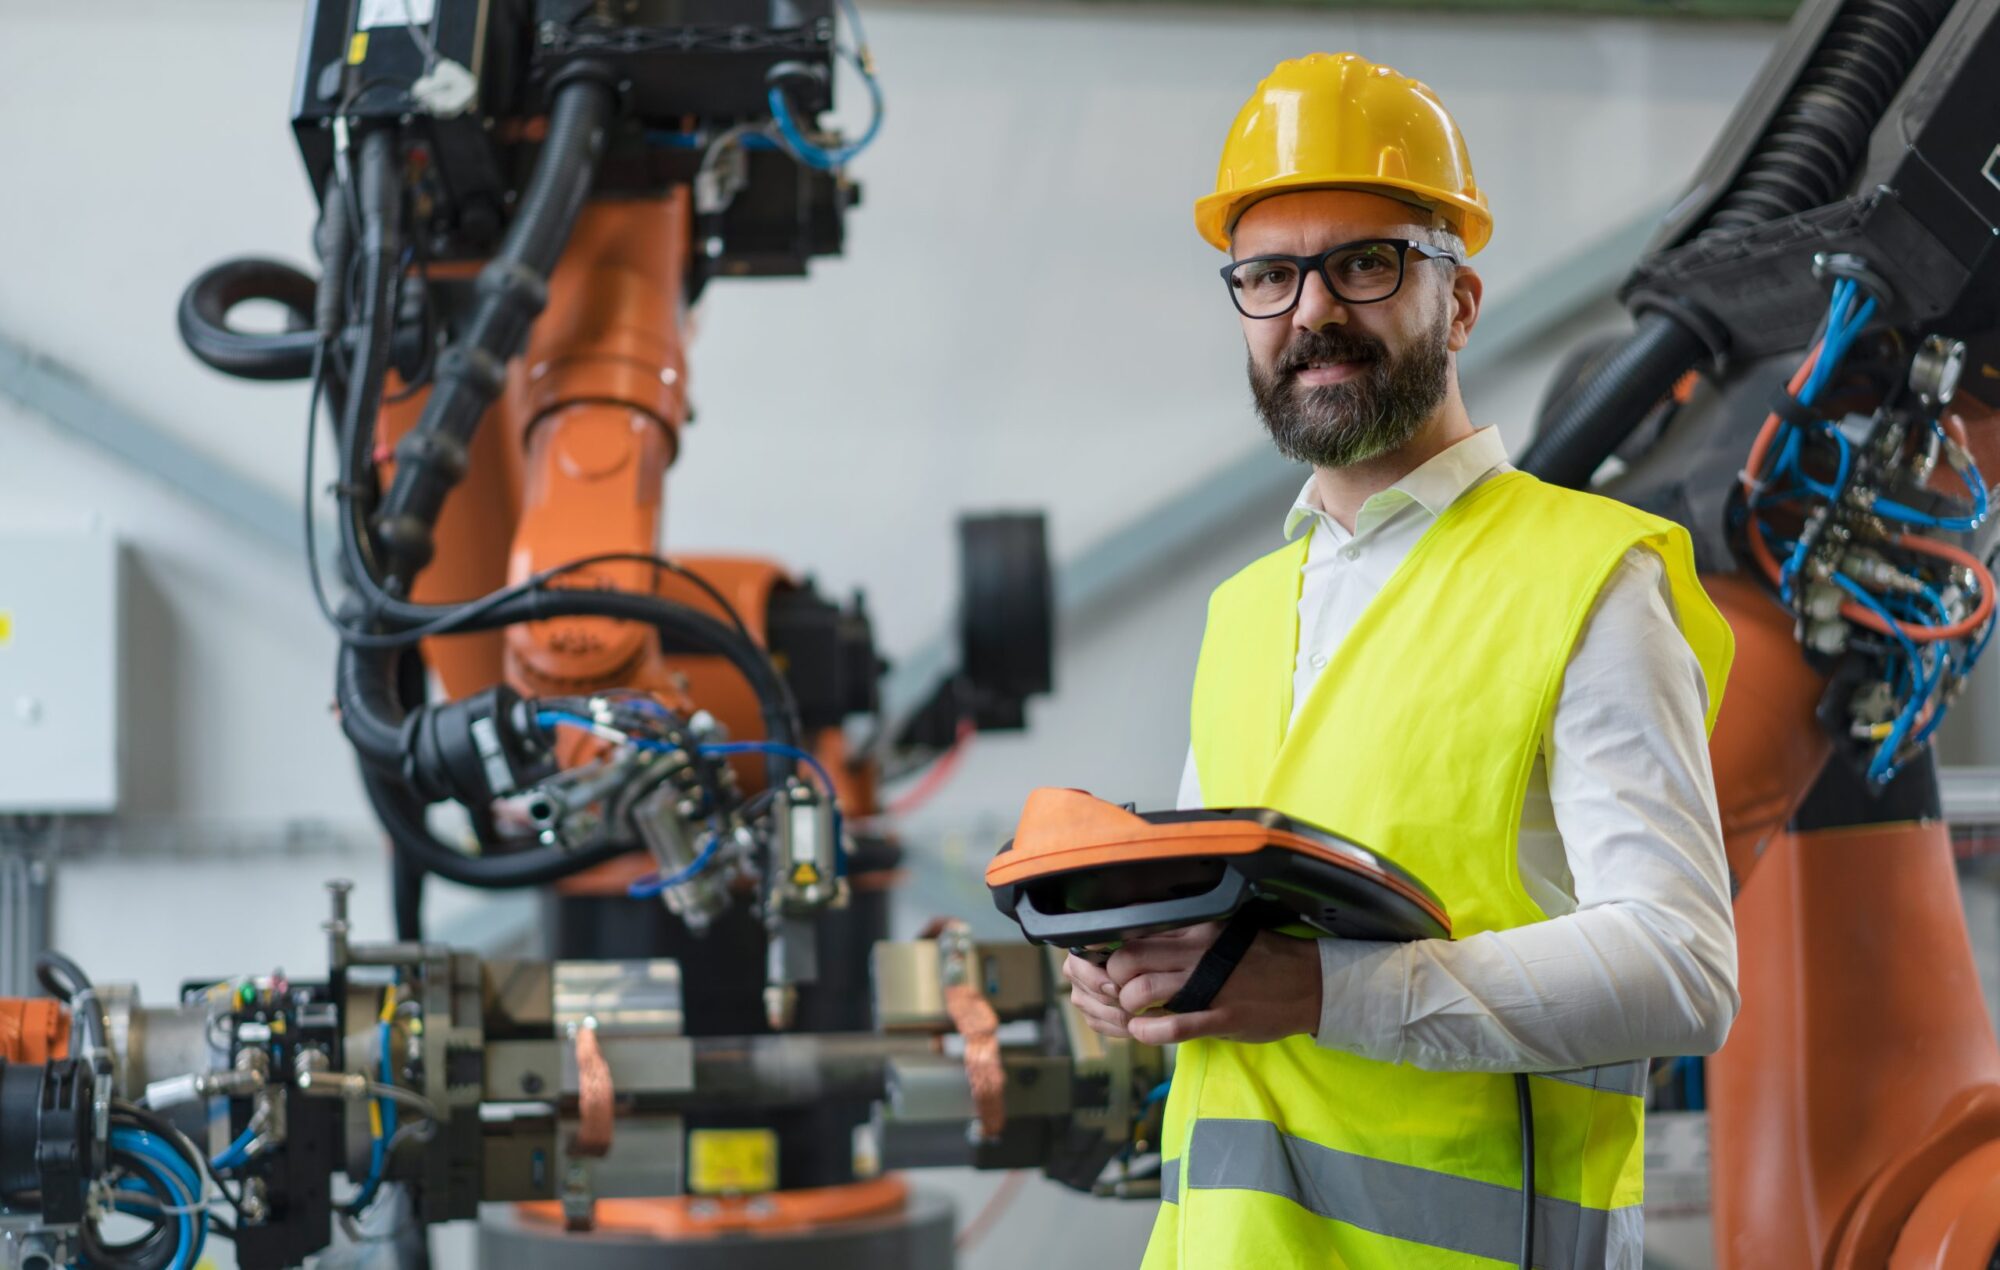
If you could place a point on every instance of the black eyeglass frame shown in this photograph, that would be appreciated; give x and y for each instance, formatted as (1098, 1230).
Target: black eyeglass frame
(1309, 265)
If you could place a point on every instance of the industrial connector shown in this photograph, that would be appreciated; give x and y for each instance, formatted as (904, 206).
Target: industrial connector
(1871, 570)
(351, 1086)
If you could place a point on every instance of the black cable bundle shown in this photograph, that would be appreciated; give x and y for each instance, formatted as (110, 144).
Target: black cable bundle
(1804, 160)
(403, 746)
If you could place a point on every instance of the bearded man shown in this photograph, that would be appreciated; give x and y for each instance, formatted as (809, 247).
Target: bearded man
(1502, 686)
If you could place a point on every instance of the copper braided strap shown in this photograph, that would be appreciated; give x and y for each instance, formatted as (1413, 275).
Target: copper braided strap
(594, 1096)
(975, 1020)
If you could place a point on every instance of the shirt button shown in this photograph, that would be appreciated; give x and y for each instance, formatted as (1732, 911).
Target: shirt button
(1350, 552)
(1319, 661)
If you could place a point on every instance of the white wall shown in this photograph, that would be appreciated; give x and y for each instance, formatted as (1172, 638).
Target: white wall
(845, 420)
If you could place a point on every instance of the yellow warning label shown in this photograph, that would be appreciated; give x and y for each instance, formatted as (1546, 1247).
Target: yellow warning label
(6, 628)
(357, 49)
(732, 1161)
(805, 875)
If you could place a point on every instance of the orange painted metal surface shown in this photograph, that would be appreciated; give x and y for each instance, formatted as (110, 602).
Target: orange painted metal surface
(1861, 1068)
(598, 400)
(1767, 746)
(1957, 1224)
(703, 1217)
(32, 1030)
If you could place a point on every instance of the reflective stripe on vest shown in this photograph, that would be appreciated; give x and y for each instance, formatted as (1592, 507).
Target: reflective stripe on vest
(1420, 1206)
(1417, 741)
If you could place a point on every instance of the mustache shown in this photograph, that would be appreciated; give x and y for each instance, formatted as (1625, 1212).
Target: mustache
(1334, 344)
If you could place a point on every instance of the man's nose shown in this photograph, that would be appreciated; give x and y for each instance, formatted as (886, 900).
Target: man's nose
(1318, 307)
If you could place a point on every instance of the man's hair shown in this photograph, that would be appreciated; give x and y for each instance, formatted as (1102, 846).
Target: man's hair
(1442, 235)
(1437, 231)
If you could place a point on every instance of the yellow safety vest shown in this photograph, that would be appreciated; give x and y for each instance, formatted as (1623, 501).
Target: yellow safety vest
(1417, 741)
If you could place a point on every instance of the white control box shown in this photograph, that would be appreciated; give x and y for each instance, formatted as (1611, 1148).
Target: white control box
(59, 606)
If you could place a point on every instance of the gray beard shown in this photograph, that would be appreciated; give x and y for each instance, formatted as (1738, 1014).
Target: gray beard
(1372, 413)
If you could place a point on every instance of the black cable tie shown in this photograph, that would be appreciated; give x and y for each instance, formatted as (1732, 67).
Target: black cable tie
(1218, 963)
(1792, 410)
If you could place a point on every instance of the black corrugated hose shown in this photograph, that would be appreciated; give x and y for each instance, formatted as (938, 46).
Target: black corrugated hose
(203, 318)
(1598, 414)
(512, 288)
(1809, 151)
(1804, 160)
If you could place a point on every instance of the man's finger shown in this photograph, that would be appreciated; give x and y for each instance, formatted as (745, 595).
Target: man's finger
(1172, 1029)
(1143, 992)
(1089, 976)
(1153, 955)
(1104, 1019)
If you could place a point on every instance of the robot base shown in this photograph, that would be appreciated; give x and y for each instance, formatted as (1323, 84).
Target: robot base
(916, 1237)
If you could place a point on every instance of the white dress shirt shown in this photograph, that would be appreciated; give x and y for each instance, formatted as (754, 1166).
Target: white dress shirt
(1620, 840)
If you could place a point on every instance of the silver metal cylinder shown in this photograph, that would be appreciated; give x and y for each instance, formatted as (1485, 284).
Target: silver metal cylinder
(675, 847)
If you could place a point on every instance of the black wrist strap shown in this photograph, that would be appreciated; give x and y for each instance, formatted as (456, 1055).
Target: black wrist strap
(1219, 962)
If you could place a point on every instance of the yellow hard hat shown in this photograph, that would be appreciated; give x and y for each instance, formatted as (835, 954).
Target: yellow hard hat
(1339, 120)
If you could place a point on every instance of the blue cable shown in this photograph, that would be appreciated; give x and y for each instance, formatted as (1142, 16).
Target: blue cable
(1842, 330)
(819, 769)
(854, 20)
(1975, 482)
(696, 141)
(814, 156)
(1882, 768)
(378, 1150)
(1831, 493)
(1911, 516)
(1793, 563)
(726, 748)
(647, 887)
(177, 1184)
(140, 1142)
(1829, 349)
(236, 1154)
(563, 718)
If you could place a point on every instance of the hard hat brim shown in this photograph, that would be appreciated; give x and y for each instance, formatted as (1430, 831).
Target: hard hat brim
(1215, 215)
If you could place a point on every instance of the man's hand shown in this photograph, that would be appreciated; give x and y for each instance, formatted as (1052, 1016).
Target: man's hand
(1273, 993)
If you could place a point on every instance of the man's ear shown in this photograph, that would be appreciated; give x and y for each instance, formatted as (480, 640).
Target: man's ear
(1467, 292)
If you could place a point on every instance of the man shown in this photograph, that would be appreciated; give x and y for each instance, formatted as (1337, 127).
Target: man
(1500, 685)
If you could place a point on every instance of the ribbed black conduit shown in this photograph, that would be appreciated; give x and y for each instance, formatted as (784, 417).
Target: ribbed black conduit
(512, 288)
(203, 318)
(1804, 160)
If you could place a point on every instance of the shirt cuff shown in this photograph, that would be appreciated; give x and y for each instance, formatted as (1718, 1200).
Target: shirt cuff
(1363, 987)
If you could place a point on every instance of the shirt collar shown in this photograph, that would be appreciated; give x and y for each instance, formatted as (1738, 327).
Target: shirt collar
(1435, 483)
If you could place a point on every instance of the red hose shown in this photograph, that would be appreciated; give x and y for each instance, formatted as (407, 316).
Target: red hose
(941, 771)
